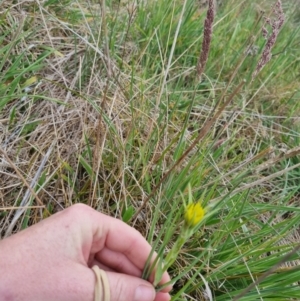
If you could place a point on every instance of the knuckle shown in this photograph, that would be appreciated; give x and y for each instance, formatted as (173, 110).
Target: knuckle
(77, 211)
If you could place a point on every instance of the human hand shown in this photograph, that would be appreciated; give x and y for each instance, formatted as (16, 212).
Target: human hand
(52, 260)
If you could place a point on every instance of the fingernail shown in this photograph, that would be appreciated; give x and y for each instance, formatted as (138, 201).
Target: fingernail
(144, 293)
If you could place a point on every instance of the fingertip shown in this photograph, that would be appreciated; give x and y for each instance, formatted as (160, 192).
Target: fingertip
(126, 287)
(166, 289)
(162, 297)
(165, 279)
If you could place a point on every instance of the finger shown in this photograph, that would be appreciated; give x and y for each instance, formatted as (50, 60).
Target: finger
(121, 238)
(125, 288)
(125, 240)
(94, 231)
(101, 266)
(121, 287)
(162, 297)
(118, 262)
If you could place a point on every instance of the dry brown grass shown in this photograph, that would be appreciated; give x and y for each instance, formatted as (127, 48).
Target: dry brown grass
(72, 118)
(66, 108)
(60, 126)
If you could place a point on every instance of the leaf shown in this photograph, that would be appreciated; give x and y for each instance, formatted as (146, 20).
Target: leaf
(127, 214)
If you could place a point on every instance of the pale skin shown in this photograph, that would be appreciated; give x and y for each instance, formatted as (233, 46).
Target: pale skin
(52, 260)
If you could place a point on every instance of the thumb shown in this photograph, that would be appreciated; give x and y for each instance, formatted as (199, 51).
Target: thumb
(129, 288)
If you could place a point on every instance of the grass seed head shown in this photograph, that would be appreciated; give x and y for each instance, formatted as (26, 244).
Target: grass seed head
(207, 36)
(276, 25)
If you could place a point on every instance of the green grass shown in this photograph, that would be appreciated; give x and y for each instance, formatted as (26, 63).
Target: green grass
(114, 95)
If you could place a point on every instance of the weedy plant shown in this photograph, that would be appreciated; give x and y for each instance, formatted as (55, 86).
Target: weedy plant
(194, 212)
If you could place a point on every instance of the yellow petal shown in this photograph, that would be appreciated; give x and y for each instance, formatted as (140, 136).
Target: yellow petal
(194, 213)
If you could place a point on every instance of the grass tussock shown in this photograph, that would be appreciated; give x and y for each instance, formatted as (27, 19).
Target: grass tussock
(114, 104)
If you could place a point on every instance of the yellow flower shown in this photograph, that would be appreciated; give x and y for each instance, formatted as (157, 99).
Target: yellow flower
(194, 213)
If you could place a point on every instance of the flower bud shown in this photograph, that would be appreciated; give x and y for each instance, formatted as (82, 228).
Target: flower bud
(193, 215)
